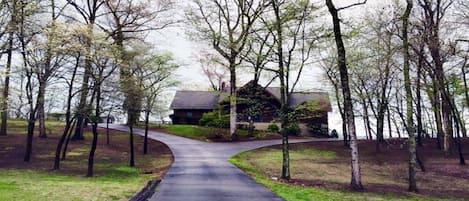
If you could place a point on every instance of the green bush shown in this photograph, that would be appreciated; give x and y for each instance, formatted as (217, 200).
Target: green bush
(212, 119)
(207, 117)
(292, 129)
(273, 128)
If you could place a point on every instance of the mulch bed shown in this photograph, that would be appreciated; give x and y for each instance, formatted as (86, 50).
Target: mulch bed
(12, 148)
(395, 151)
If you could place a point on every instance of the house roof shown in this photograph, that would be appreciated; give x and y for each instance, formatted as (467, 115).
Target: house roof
(210, 99)
(321, 98)
(299, 98)
(195, 100)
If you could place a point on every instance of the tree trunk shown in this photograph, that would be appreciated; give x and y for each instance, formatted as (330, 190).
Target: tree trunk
(436, 103)
(145, 139)
(355, 183)
(29, 138)
(6, 86)
(284, 121)
(69, 122)
(367, 120)
(40, 109)
(82, 110)
(458, 141)
(419, 98)
(59, 146)
(447, 125)
(132, 155)
(233, 128)
(69, 136)
(389, 121)
(409, 102)
(107, 130)
(94, 144)
(466, 86)
(383, 99)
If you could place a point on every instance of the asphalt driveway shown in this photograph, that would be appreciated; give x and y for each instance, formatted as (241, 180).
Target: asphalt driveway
(201, 171)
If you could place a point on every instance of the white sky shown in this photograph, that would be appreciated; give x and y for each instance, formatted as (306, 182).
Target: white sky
(190, 74)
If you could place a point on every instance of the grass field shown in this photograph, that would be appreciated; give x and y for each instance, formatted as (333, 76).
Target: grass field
(113, 179)
(209, 134)
(36, 185)
(324, 174)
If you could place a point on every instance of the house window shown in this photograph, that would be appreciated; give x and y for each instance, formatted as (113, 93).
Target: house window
(189, 114)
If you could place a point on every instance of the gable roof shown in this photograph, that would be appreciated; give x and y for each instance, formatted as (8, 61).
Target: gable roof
(210, 99)
(205, 100)
(321, 98)
(299, 98)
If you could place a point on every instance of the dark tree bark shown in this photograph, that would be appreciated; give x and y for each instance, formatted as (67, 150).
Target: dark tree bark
(389, 121)
(145, 139)
(433, 13)
(95, 120)
(409, 102)
(69, 137)
(6, 85)
(283, 95)
(383, 97)
(355, 183)
(132, 152)
(433, 92)
(40, 109)
(419, 98)
(94, 143)
(68, 117)
(89, 13)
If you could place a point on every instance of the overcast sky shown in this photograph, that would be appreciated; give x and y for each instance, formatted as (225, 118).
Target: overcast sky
(190, 74)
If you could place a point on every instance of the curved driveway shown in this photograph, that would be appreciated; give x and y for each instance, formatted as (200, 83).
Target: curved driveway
(201, 171)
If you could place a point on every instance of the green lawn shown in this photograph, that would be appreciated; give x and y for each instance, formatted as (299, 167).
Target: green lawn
(258, 164)
(33, 185)
(113, 179)
(19, 122)
(206, 133)
(190, 131)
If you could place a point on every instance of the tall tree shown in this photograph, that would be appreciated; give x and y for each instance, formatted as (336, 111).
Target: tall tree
(103, 58)
(433, 14)
(227, 25)
(154, 73)
(409, 99)
(89, 10)
(355, 183)
(292, 46)
(11, 29)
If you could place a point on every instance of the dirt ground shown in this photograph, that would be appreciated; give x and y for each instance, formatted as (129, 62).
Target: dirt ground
(12, 148)
(386, 171)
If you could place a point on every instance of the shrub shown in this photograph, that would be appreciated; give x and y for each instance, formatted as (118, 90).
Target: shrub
(207, 117)
(293, 129)
(212, 119)
(273, 128)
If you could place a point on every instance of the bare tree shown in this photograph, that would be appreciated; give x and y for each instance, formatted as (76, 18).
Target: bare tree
(409, 99)
(89, 10)
(214, 69)
(227, 25)
(11, 30)
(356, 183)
(154, 73)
